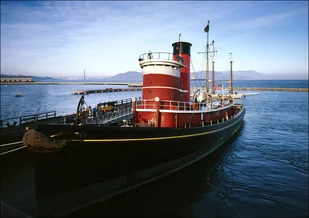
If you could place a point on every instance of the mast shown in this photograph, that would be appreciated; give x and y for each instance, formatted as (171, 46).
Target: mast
(231, 75)
(213, 66)
(207, 58)
(207, 61)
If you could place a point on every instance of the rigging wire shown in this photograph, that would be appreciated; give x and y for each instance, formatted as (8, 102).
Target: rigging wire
(197, 80)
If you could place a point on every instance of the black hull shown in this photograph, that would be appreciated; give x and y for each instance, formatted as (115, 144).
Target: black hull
(94, 168)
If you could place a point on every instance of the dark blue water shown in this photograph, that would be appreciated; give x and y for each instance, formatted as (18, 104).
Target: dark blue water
(272, 83)
(261, 172)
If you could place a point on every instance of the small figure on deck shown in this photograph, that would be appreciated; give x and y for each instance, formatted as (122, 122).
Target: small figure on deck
(94, 112)
(82, 106)
(150, 55)
(90, 111)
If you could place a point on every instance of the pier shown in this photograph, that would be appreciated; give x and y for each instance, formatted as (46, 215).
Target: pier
(85, 92)
(272, 89)
(262, 89)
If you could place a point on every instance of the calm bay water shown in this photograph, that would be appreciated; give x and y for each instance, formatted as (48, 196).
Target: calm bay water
(261, 172)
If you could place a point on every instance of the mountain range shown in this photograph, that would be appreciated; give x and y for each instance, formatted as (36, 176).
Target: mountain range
(134, 76)
(238, 75)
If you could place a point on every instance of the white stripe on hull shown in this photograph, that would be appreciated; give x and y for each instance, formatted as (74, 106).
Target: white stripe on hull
(163, 87)
(165, 70)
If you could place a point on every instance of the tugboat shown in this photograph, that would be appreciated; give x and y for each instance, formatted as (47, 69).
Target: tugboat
(77, 165)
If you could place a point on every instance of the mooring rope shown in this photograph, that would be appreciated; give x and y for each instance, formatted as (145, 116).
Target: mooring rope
(13, 150)
(12, 143)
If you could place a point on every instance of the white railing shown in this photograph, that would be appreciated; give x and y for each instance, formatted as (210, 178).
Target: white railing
(109, 116)
(180, 105)
(156, 56)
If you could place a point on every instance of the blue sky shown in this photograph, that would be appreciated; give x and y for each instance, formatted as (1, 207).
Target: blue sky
(62, 38)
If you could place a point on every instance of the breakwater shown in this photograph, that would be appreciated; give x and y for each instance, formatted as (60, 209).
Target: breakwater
(273, 89)
(262, 89)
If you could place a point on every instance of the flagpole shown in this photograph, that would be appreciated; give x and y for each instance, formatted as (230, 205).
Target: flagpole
(206, 29)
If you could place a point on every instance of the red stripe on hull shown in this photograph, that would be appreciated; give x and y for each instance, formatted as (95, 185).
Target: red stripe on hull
(162, 93)
(169, 87)
(182, 120)
(161, 80)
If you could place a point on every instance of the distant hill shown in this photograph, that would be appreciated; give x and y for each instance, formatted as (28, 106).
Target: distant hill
(34, 78)
(130, 76)
(237, 75)
(133, 76)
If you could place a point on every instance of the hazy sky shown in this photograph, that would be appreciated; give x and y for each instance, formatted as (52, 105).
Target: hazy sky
(62, 38)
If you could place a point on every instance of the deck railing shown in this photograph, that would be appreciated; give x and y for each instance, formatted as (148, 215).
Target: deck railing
(180, 105)
(27, 119)
(156, 56)
(128, 100)
(118, 102)
(108, 116)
